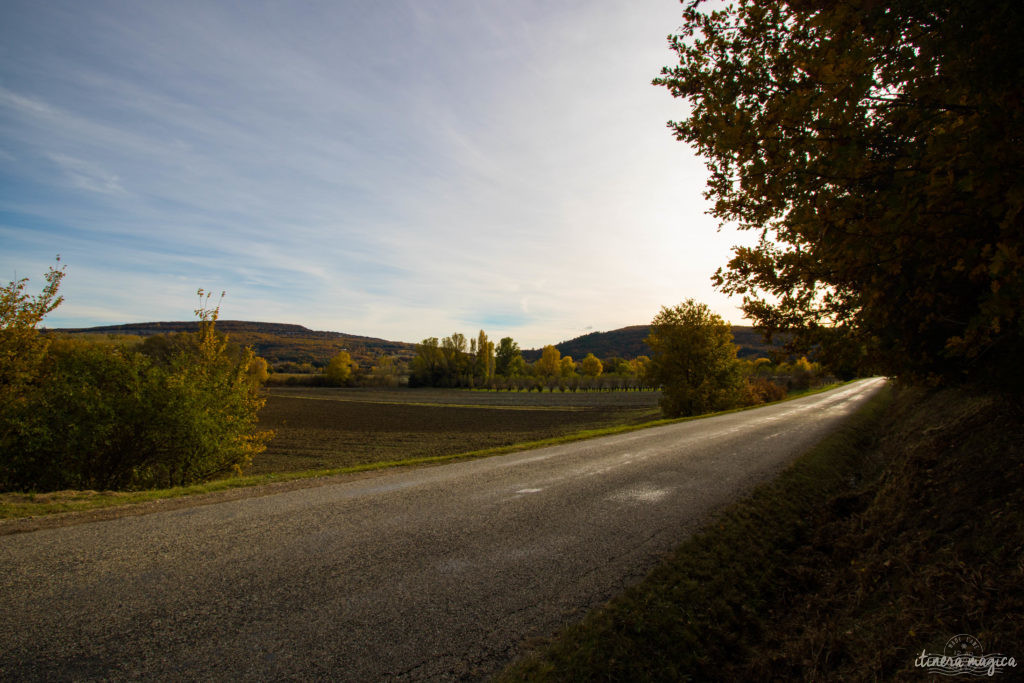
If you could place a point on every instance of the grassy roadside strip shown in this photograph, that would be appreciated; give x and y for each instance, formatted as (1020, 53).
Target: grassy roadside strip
(20, 505)
(860, 561)
(696, 613)
(17, 505)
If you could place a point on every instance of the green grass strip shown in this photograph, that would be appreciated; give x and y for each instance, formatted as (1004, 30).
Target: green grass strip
(15, 505)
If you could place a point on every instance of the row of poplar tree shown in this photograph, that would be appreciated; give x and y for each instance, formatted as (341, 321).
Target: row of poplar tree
(478, 363)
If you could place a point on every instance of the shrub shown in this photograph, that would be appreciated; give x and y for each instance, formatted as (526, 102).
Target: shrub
(762, 390)
(76, 424)
(105, 416)
(204, 412)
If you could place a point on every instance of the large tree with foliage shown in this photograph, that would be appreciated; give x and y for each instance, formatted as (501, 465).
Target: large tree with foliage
(877, 149)
(508, 360)
(694, 360)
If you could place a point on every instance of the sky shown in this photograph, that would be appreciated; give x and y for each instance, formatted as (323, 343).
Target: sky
(399, 169)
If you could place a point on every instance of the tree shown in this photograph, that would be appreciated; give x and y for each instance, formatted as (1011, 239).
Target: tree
(508, 360)
(385, 372)
(694, 360)
(428, 366)
(257, 371)
(619, 366)
(591, 366)
(483, 366)
(615, 365)
(517, 366)
(641, 367)
(549, 363)
(876, 147)
(22, 354)
(453, 349)
(21, 345)
(490, 361)
(339, 369)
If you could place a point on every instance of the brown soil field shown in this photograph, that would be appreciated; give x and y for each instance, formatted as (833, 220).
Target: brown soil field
(332, 428)
(468, 397)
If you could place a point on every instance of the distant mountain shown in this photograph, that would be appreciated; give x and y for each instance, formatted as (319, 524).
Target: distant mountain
(283, 343)
(277, 342)
(628, 343)
(147, 329)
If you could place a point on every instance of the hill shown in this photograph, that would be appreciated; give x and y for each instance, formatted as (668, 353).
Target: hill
(277, 342)
(628, 343)
(285, 343)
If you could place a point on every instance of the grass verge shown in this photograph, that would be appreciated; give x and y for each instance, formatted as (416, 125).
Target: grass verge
(16, 505)
(21, 505)
(698, 608)
(893, 535)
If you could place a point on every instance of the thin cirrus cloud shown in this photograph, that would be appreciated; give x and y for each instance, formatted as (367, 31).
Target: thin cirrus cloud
(400, 169)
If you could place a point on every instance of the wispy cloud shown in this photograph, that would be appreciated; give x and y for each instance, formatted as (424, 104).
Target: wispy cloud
(396, 169)
(88, 176)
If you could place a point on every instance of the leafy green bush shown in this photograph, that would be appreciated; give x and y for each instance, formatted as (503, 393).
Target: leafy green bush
(76, 422)
(84, 415)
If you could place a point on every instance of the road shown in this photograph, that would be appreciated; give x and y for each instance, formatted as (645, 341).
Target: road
(421, 574)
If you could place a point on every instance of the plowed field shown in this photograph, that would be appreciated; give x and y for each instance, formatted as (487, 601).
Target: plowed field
(329, 428)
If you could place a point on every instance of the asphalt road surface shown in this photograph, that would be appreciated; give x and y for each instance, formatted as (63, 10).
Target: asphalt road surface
(421, 574)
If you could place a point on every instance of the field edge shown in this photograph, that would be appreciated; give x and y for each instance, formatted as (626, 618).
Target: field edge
(16, 507)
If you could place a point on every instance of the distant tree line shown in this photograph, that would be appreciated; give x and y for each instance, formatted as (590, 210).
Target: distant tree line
(452, 362)
(694, 361)
(342, 370)
(477, 363)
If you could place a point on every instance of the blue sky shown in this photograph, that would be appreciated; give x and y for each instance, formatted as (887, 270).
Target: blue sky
(398, 169)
